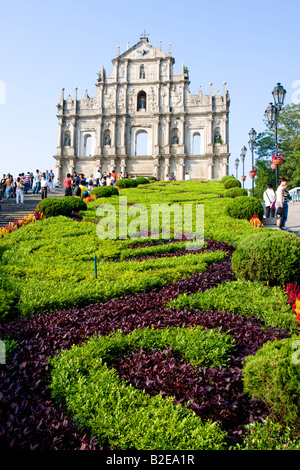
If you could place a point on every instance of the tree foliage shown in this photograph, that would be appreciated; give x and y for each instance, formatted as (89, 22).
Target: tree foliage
(288, 146)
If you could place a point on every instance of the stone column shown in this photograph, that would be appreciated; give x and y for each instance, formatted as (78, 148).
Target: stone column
(209, 171)
(156, 129)
(98, 149)
(181, 169)
(123, 166)
(113, 136)
(123, 136)
(166, 168)
(59, 136)
(224, 166)
(167, 136)
(156, 168)
(58, 170)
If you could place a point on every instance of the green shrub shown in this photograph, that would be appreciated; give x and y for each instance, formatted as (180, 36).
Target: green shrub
(235, 192)
(269, 435)
(118, 414)
(105, 191)
(53, 207)
(273, 375)
(72, 203)
(232, 182)
(152, 178)
(271, 257)
(142, 180)
(8, 301)
(226, 178)
(244, 207)
(127, 183)
(268, 304)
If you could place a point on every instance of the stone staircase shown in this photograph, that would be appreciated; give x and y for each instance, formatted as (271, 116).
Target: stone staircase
(10, 211)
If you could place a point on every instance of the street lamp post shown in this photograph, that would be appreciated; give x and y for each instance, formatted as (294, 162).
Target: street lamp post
(236, 164)
(272, 114)
(252, 135)
(243, 154)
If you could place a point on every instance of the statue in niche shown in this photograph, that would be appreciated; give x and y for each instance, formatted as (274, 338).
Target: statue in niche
(175, 140)
(142, 101)
(67, 140)
(218, 138)
(107, 139)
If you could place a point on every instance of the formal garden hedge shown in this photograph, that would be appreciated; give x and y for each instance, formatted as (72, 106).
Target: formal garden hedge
(185, 339)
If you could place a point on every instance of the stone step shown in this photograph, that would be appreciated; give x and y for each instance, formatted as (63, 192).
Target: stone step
(10, 211)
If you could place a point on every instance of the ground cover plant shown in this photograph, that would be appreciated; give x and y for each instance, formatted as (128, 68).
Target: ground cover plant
(148, 308)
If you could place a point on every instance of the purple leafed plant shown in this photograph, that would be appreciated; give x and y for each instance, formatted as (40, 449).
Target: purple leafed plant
(29, 419)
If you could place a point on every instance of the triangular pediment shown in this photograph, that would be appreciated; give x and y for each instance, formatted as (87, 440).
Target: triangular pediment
(142, 50)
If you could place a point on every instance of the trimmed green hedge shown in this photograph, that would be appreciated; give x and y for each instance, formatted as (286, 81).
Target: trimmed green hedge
(226, 178)
(142, 180)
(235, 192)
(52, 207)
(232, 182)
(244, 207)
(273, 375)
(105, 191)
(127, 183)
(271, 257)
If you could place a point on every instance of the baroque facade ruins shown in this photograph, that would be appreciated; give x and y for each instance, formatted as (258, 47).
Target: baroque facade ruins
(144, 121)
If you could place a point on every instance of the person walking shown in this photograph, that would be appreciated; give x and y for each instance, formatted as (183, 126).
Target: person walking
(282, 200)
(19, 191)
(68, 185)
(3, 185)
(8, 186)
(269, 200)
(44, 186)
(113, 177)
(27, 179)
(36, 182)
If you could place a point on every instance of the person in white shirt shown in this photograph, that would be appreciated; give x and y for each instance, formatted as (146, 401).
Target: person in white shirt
(269, 200)
(44, 186)
(98, 177)
(36, 182)
(187, 177)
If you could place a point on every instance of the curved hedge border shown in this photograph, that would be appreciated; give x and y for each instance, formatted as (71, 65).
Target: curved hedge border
(92, 390)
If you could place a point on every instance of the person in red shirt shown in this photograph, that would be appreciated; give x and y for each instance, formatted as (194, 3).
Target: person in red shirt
(68, 185)
(113, 177)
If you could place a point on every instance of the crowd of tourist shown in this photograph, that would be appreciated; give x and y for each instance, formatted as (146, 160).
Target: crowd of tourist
(78, 184)
(16, 186)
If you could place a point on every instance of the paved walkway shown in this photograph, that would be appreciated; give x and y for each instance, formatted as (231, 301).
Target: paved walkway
(10, 211)
(293, 221)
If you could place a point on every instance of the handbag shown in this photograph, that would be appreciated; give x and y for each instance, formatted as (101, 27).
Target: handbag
(280, 211)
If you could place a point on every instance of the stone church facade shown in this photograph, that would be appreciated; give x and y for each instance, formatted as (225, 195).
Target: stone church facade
(144, 99)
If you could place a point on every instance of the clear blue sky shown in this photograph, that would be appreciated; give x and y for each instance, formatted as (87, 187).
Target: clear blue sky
(49, 45)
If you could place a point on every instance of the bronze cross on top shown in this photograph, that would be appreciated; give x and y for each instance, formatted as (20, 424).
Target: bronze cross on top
(144, 34)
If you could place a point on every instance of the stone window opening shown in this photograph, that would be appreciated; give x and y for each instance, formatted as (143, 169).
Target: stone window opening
(141, 101)
(87, 145)
(141, 143)
(196, 143)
